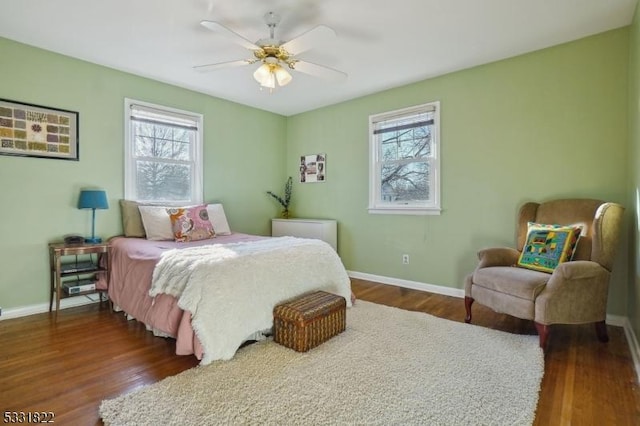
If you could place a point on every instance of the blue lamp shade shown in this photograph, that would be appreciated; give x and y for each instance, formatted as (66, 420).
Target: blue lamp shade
(93, 199)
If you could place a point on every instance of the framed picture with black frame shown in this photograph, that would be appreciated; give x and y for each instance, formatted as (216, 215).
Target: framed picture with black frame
(30, 130)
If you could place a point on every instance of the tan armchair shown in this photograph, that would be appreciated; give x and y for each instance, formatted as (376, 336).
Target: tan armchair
(575, 293)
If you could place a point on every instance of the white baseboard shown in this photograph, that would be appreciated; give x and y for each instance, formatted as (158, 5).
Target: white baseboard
(415, 285)
(70, 302)
(615, 320)
(632, 340)
(634, 347)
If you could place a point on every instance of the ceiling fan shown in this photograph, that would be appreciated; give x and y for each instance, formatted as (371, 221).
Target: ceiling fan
(276, 56)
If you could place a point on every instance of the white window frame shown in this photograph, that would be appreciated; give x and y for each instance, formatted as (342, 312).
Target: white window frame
(130, 193)
(376, 205)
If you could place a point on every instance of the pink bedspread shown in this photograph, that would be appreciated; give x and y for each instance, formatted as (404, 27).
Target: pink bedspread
(132, 263)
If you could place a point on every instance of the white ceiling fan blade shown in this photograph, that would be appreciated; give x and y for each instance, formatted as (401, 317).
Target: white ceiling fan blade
(320, 71)
(230, 64)
(306, 41)
(232, 35)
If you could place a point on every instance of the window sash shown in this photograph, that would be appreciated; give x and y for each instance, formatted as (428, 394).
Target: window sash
(155, 115)
(429, 178)
(383, 124)
(138, 137)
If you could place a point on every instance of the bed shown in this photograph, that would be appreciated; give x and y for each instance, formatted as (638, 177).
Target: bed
(213, 294)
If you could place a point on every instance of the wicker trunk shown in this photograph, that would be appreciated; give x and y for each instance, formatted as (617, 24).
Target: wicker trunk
(309, 320)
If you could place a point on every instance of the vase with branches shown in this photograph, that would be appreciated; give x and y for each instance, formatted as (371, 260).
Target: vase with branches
(284, 201)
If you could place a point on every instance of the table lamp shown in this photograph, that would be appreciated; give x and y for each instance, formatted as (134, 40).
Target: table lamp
(93, 199)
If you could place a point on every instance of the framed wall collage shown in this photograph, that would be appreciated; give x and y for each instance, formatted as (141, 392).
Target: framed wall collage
(313, 168)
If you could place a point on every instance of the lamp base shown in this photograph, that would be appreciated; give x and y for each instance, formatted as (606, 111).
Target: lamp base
(93, 240)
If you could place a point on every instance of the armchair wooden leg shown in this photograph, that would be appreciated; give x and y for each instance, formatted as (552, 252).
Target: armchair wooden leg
(543, 332)
(468, 301)
(601, 331)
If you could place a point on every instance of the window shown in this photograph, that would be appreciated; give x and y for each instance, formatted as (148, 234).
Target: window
(404, 171)
(163, 154)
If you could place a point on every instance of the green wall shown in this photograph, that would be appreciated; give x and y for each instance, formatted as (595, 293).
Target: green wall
(633, 308)
(548, 124)
(243, 157)
(553, 123)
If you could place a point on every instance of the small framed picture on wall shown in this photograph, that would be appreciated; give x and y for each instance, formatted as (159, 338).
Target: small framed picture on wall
(313, 168)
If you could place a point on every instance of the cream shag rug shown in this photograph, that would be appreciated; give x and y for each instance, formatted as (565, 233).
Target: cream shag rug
(389, 367)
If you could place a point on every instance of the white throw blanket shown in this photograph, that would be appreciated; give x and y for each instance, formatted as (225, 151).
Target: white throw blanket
(231, 289)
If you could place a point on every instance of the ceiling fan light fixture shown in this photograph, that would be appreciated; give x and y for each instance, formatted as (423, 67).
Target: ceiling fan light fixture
(268, 73)
(275, 56)
(282, 76)
(270, 82)
(262, 74)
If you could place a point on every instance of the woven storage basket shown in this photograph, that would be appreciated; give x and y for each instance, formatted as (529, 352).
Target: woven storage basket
(309, 320)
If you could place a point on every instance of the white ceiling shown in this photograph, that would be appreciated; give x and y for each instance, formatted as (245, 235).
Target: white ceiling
(380, 44)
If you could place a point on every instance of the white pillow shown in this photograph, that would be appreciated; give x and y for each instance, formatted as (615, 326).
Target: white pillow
(218, 219)
(156, 222)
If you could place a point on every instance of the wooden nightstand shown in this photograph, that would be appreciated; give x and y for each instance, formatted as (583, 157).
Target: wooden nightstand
(74, 268)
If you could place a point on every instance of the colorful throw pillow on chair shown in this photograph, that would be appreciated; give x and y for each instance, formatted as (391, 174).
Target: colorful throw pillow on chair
(191, 223)
(548, 245)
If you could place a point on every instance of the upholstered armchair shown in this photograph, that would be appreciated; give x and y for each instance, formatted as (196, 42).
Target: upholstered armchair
(575, 292)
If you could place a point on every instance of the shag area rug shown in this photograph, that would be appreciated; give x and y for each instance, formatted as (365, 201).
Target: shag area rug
(390, 366)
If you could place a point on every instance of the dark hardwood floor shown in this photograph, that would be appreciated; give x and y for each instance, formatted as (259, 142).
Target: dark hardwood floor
(92, 354)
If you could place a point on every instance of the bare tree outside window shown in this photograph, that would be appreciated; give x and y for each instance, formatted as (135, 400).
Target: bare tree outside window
(161, 153)
(404, 175)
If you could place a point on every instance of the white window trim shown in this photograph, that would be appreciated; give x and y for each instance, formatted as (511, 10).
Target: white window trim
(197, 190)
(375, 207)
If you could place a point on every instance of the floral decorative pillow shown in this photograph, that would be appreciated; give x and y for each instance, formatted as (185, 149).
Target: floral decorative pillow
(191, 223)
(548, 245)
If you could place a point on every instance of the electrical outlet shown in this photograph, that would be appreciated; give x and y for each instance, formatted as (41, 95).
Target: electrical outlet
(405, 259)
